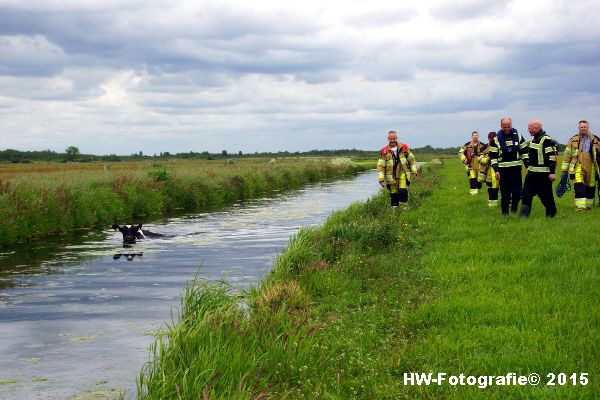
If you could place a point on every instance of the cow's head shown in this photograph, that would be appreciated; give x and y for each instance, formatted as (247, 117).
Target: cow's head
(130, 232)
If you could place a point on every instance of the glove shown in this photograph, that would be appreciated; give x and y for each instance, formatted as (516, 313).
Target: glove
(572, 176)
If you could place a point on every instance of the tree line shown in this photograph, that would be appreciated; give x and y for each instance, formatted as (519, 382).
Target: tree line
(72, 154)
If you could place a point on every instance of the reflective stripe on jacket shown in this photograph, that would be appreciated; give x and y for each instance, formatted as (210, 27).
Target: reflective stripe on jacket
(511, 158)
(385, 165)
(474, 151)
(542, 154)
(573, 156)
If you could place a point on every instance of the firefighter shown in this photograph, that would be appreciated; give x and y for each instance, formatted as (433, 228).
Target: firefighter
(541, 171)
(508, 153)
(486, 173)
(395, 169)
(469, 154)
(580, 161)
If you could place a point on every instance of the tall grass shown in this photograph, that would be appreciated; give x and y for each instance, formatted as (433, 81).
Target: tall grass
(373, 294)
(36, 204)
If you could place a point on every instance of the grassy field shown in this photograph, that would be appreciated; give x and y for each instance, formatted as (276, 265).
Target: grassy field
(42, 199)
(448, 286)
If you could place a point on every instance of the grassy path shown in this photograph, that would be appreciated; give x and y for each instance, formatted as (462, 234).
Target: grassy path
(508, 295)
(372, 294)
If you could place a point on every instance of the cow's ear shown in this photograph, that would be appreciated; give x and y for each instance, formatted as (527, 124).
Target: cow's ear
(115, 227)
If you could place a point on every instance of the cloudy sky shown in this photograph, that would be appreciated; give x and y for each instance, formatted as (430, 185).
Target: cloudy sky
(113, 76)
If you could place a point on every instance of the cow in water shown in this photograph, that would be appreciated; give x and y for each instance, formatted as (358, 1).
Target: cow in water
(133, 232)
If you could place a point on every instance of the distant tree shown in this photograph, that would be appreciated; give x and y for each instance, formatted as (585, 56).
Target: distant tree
(141, 154)
(111, 157)
(240, 153)
(224, 153)
(71, 153)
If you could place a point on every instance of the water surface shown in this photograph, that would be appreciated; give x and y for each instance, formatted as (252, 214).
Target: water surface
(77, 316)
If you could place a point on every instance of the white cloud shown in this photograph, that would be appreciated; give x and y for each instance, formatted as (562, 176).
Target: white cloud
(180, 76)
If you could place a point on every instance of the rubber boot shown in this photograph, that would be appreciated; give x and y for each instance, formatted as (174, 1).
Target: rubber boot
(525, 211)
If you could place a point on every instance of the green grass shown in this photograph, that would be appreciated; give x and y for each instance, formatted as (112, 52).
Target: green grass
(508, 295)
(372, 294)
(47, 199)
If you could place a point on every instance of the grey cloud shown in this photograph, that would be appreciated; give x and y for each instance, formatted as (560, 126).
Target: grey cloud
(217, 38)
(29, 56)
(278, 80)
(383, 17)
(468, 10)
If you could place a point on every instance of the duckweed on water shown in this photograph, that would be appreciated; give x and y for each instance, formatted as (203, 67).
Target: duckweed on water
(85, 338)
(100, 394)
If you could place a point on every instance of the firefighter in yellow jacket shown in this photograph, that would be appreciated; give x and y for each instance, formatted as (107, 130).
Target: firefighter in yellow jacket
(581, 161)
(486, 173)
(395, 168)
(469, 154)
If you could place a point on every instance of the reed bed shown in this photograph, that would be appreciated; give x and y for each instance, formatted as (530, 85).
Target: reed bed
(48, 199)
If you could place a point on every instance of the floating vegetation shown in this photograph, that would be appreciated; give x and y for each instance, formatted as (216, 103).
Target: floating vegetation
(85, 338)
(100, 394)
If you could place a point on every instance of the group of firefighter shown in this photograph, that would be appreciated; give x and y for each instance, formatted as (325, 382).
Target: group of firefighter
(499, 162)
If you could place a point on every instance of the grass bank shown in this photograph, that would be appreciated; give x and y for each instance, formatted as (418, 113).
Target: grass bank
(49, 200)
(323, 324)
(373, 294)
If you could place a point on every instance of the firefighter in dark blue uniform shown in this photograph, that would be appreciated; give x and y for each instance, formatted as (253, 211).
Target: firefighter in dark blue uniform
(541, 170)
(508, 153)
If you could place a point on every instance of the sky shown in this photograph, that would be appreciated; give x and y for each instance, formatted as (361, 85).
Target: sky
(120, 77)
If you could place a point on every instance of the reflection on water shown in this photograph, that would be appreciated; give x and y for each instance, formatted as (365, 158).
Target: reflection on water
(128, 256)
(77, 315)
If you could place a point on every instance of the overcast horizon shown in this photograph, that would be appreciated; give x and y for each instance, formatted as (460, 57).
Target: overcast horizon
(178, 76)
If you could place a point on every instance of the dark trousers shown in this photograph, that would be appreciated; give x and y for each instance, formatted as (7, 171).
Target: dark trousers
(582, 191)
(538, 184)
(474, 184)
(492, 193)
(400, 196)
(511, 187)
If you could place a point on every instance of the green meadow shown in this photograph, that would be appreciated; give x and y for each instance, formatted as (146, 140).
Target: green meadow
(43, 199)
(447, 286)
